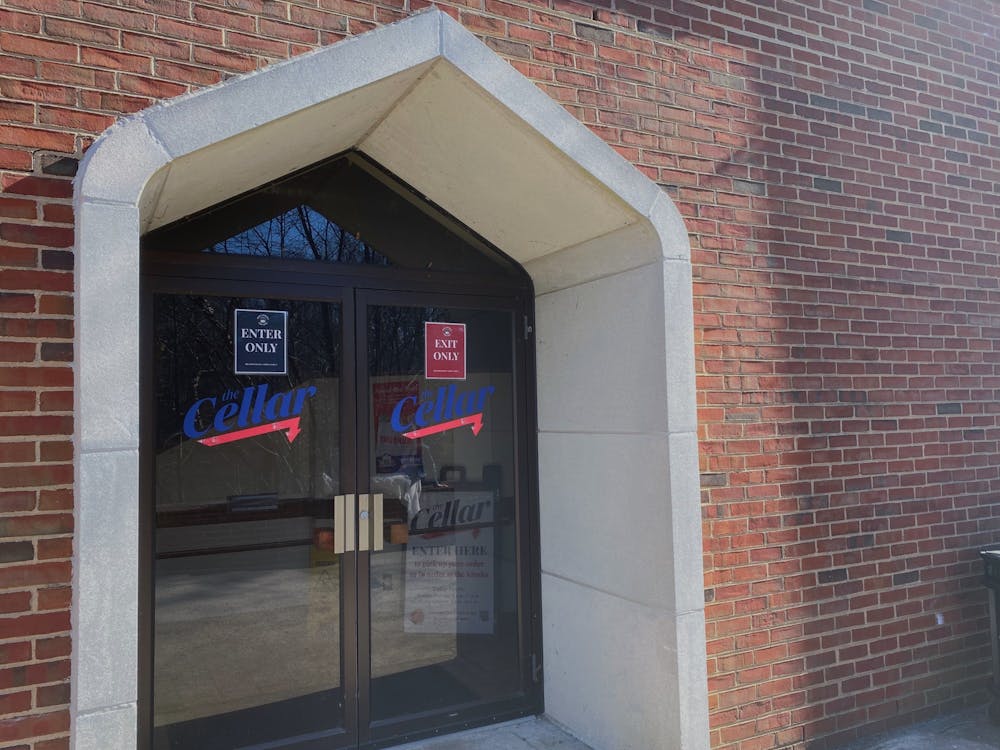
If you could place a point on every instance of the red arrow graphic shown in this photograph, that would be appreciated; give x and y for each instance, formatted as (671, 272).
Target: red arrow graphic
(291, 426)
(476, 420)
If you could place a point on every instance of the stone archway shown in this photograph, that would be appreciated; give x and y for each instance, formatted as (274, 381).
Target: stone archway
(608, 252)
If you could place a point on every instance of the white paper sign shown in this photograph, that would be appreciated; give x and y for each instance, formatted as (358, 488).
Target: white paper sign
(449, 566)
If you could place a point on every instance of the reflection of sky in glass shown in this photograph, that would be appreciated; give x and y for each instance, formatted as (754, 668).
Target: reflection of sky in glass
(301, 233)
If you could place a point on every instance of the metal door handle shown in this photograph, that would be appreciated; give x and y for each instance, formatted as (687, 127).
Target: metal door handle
(370, 523)
(379, 541)
(343, 524)
(338, 525)
(369, 514)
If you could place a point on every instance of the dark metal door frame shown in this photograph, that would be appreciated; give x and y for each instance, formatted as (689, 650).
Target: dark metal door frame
(355, 289)
(405, 729)
(278, 290)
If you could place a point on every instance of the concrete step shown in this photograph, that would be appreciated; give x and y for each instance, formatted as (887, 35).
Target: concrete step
(533, 733)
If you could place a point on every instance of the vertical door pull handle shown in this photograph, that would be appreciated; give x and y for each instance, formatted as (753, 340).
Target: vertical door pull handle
(364, 534)
(379, 541)
(338, 524)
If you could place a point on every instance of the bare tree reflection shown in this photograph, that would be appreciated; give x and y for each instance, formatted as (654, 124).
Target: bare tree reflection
(301, 233)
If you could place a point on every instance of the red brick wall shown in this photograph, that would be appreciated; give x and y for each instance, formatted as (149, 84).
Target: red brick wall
(838, 165)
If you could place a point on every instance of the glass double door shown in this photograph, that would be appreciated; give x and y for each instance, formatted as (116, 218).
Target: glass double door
(337, 536)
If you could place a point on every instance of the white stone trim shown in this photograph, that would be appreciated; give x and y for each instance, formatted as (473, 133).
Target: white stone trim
(624, 645)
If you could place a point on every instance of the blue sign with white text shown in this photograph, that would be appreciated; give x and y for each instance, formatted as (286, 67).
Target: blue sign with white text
(260, 342)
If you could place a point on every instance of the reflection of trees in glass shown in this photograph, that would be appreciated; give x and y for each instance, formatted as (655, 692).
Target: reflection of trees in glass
(396, 338)
(194, 350)
(302, 233)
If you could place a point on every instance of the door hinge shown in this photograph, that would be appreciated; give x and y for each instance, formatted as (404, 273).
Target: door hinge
(536, 669)
(527, 328)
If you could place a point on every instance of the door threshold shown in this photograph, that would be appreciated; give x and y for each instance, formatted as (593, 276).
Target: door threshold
(531, 733)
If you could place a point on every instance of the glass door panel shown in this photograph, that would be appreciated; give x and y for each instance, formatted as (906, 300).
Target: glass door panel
(442, 579)
(338, 554)
(249, 592)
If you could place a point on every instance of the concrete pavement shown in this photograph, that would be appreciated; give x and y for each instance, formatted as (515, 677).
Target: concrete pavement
(533, 733)
(967, 730)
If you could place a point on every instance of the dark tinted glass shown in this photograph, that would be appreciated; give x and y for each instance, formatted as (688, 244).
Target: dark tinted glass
(444, 625)
(248, 593)
(345, 210)
(304, 234)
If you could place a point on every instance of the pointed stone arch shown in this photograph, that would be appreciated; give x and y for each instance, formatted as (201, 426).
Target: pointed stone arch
(623, 629)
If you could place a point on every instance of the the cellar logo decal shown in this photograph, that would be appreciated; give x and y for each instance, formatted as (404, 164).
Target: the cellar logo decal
(440, 410)
(237, 415)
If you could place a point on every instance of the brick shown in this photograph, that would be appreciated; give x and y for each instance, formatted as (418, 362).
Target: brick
(187, 73)
(36, 47)
(17, 576)
(206, 16)
(57, 213)
(53, 695)
(194, 32)
(34, 91)
(10, 302)
(40, 186)
(43, 376)
(148, 86)
(15, 158)
(57, 743)
(15, 652)
(51, 304)
(21, 135)
(56, 401)
(36, 425)
(36, 280)
(114, 60)
(18, 351)
(55, 499)
(56, 352)
(38, 673)
(15, 703)
(16, 551)
(28, 234)
(34, 725)
(156, 47)
(14, 453)
(26, 23)
(834, 186)
(37, 525)
(49, 549)
(119, 18)
(61, 28)
(18, 257)
(55, 450)
(57, 597)
(36, 475)
(18, 208)
(318, 19)
(74, 119)
(13, 502)
(291, 32)
(255, 44)
(57, 260)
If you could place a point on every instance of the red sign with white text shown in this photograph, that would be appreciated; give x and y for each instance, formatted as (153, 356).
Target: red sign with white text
(444, 351)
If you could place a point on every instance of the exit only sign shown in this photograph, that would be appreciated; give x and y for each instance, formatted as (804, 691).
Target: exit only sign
(444, 351)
